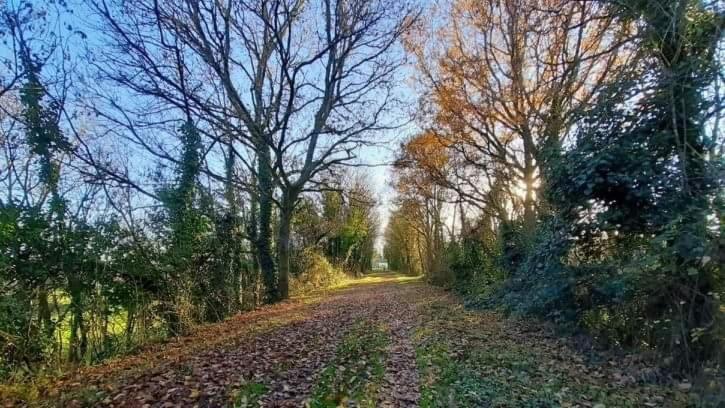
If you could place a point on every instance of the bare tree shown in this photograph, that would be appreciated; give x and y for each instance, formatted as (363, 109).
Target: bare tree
(505, 82)
(298, 85)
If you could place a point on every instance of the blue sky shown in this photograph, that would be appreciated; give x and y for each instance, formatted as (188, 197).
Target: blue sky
(376, 158)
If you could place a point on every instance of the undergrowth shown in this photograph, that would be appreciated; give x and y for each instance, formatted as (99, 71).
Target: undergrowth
(316, 272)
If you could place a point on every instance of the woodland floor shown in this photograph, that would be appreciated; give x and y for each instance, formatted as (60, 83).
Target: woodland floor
(386, 341)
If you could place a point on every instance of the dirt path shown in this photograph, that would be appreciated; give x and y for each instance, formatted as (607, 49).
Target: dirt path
(401, 387)
(385, 341)
(275, 363)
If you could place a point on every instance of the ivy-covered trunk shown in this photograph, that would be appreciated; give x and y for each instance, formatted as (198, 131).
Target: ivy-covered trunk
(254, 292)
(234, 252)
(217, 299)
(78, 334)
(263, 239)
(44, 314)
(530, 213)
(283, 241)
(283, 253)
(170, 314)
(130, 324)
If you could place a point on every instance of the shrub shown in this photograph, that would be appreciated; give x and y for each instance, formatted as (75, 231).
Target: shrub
(315, 272)
(476, 266)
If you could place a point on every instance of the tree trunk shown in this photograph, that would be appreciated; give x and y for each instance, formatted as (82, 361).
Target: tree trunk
(236, 250)
(44, 313)
(263, 241)
(78, 340)
(530, 195)
(130, 324)
(283, 255)
(283, 242)
(251, 278)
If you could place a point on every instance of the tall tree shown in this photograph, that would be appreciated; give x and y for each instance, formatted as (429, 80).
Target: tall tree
(505, 80)
(421, 167)
(301, 84)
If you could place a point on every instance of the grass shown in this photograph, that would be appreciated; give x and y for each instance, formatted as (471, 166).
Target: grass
(248, 394)
(468, 359)
(31, 395)
(348, 282)
(377, 278)
(354, 374)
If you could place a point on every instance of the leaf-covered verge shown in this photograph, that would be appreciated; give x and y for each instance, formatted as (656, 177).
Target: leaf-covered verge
(354, 375)
(91, 385)
(588, 191)
(276, 356)
(72, 386)
(116, 233)
(474, 359)
(381, 341)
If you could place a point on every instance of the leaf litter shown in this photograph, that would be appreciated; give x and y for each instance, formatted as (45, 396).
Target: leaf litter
(418, 347)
